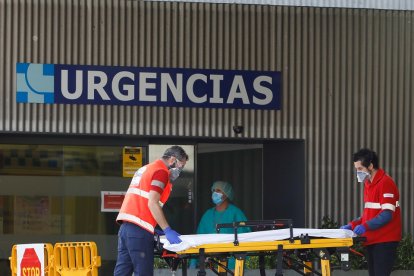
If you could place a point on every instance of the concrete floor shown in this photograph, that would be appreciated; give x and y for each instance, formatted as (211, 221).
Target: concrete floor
(271, 272)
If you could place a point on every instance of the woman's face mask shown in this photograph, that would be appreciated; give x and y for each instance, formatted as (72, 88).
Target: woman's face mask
(217, 198)
(362, 176)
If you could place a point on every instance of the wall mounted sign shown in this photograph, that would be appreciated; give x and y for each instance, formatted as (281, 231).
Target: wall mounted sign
(111, 201)
(147, 86)
(131, 160)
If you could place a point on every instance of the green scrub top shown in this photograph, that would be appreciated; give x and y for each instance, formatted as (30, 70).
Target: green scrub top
(212, 217)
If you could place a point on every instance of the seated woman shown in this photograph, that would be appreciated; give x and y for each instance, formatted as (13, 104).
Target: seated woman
(224, 211)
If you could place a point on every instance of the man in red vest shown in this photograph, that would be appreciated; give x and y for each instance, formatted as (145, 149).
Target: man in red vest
(141, 211)
(380, 222)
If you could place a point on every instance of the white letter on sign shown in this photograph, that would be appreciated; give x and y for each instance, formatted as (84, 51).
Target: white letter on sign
(190, 88)
(64, 85)
(144, 85)
(262, 90)
(168, 84)
(216, 88)
(238, 90)
(99, 86)
(126, 87)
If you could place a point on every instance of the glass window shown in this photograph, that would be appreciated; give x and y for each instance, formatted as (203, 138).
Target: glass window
(52, 193)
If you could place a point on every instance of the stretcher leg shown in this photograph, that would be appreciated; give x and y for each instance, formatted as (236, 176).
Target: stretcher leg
(325, 267)
(220, 270)
(262, 265)
(307, 271)
(201, 260)
(325, 261)
(239, 268)
(279, 261)
(184, 267)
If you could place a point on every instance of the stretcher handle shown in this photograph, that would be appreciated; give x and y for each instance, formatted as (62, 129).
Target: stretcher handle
(273, 224)
(356, 252)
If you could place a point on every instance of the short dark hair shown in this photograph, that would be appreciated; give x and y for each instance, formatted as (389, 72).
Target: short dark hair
(176, 151)
(366, 156)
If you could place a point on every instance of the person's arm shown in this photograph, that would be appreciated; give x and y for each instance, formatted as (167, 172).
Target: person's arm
(155, 208)
(203, 224)
(240, 216)
(379, 221)
(158, 214)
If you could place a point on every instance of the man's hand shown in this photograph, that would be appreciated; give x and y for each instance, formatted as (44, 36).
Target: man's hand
(172, 236)
(346, 227)
(360, 229)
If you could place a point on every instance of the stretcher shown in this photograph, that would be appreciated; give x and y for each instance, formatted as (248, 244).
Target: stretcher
(295, 248)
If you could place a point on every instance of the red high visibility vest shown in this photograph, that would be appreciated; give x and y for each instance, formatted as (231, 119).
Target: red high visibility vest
(134, 208)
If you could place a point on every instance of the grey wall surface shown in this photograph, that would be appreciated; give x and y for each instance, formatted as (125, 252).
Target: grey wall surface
(358, 4)
(347, 79)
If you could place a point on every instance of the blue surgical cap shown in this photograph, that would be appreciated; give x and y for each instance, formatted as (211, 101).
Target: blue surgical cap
(225, 187)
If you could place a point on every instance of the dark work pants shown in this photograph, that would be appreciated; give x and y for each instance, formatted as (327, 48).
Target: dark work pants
(135, 251)
(381, 258)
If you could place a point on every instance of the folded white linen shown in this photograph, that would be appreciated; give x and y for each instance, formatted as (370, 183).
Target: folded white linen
(189, 241)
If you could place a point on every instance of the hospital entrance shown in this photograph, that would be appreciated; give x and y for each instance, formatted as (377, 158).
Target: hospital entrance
(268, 178)
(52, 187)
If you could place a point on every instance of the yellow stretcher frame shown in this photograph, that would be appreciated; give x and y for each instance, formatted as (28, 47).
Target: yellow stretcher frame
(251, 247)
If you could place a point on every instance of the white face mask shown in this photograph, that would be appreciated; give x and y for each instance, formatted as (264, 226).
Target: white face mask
(217, 198)
(174, 174)
(362, 176)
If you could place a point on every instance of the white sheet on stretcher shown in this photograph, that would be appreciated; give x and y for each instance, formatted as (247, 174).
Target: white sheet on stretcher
(189, 241)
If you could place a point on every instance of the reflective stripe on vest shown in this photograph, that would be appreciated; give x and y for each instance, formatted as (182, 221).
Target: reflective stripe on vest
(141, 193)
(137, 220)
(375, 205)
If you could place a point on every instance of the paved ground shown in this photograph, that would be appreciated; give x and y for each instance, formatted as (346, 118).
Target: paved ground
(270, 272)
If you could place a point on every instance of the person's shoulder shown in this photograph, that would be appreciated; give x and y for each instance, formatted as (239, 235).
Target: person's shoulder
(209, 211)
(388, 181)
(157, 163)
(236, 211)
(234, 207)
(387, 178)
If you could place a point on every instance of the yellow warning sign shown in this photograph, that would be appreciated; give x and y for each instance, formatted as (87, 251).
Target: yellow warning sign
(131, 160)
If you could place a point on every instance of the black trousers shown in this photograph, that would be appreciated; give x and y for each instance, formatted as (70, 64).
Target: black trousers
(381, 257)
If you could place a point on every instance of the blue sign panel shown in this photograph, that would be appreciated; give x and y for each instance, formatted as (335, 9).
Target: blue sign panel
(174, 87)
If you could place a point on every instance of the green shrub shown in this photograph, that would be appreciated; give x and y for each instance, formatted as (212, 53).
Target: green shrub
(328, 223)
(160, 263)
(252, 262)
(405, 253)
